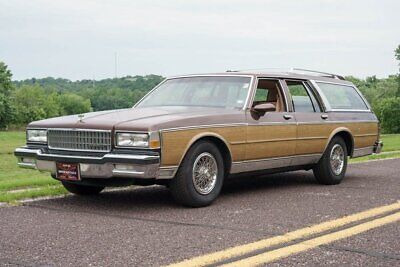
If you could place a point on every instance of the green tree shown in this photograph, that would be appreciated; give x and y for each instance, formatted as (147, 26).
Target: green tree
(6, 88)
(103, 94)
(73, 104)
(29, 102)
(386, 110)
(397, 55)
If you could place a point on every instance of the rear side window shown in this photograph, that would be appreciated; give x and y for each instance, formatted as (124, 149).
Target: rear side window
(302, 101)
(342, 96)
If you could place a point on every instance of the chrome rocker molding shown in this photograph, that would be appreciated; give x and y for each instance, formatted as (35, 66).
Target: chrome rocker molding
(360, 152)
(272, 163)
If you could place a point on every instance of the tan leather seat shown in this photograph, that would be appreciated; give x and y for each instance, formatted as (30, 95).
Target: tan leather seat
(278, 104)
(273, 98)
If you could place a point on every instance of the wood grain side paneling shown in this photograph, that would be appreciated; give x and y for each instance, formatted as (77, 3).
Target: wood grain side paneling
(313, 138)
(176, 143)
(270, 141)
(266, 141)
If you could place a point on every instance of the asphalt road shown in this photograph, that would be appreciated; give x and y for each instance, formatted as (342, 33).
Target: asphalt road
(144, 227)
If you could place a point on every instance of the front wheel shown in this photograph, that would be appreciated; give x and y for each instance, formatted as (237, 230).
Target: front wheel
(79, 189)
(199, 179)
(331, 168)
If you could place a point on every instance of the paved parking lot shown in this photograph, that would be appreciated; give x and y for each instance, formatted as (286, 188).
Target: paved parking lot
(144, 227)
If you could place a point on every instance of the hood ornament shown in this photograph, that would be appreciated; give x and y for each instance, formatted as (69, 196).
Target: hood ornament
(80, 116)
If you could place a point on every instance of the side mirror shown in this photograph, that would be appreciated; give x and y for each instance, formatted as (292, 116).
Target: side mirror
(265, 107)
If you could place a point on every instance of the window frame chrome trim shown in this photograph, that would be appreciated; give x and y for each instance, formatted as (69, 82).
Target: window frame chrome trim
(282, 89)
(244, 107)
(328, 105)
(309, 91)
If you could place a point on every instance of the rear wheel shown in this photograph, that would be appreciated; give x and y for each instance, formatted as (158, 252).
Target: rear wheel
(79, 189)
(199, 179)
(331, 168)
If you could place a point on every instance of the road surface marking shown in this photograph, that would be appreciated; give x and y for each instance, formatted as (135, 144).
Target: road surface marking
(313, 243)
(218, 256)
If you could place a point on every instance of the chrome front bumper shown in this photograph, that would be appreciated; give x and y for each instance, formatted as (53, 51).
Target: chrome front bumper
(106, 166)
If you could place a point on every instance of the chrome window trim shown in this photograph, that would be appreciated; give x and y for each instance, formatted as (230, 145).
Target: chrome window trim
(308, 91)
(254, 90)
(321, 95)
(328, 105)
(204, 75)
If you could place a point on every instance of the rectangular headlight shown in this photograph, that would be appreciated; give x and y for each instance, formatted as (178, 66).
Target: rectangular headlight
(142, 140)
(36, 136)
(133, 139)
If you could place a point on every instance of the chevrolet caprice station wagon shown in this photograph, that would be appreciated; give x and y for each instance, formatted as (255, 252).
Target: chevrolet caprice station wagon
(191, 133)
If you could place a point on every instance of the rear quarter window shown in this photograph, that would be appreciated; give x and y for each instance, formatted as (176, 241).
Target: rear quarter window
(342, 96)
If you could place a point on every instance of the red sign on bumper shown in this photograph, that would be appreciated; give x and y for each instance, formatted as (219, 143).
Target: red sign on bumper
(67, 171)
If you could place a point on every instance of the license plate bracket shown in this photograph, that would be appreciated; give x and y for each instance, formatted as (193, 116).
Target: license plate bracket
(68, 171)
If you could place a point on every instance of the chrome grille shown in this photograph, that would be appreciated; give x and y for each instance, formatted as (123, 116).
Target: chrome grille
(79, 139)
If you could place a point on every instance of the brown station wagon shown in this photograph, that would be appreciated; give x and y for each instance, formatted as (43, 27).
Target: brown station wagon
(192, 132)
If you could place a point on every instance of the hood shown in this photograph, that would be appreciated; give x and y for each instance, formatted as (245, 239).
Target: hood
(139, 119)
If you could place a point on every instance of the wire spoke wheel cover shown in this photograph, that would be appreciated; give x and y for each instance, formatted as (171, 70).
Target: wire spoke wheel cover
(337, 159)
(205, 173)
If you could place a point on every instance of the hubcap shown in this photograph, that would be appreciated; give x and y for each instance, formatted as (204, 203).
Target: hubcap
(337, 159)
(205, 172)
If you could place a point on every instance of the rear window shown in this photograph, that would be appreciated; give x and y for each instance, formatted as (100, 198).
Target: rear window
(342, 96)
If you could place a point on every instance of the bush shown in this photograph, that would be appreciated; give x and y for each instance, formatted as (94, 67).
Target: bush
(33, 103)
(388, 112)
(73, 104)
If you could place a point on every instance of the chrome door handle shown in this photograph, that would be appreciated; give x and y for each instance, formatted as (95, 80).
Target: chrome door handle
(324, 116)
(287, 117)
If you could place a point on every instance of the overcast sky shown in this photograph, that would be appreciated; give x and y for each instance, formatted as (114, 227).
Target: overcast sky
(78, 39)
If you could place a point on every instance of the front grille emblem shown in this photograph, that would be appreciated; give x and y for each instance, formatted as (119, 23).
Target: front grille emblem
(80, 116)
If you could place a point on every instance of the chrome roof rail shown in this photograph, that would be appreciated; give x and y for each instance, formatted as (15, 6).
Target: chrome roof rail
(295, 71)
(336, 76)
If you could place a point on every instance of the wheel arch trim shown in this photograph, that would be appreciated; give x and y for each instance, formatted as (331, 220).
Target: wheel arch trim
(340, 130)
(205, 135)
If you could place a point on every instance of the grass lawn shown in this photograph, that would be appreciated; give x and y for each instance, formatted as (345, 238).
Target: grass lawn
(391, 149)
(391, 142)
(17, 183)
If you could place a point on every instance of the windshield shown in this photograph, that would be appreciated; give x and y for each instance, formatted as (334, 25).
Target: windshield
(224, 92)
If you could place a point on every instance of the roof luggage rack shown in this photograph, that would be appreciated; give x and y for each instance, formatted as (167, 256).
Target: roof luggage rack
(297, 71)
(321, 73)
